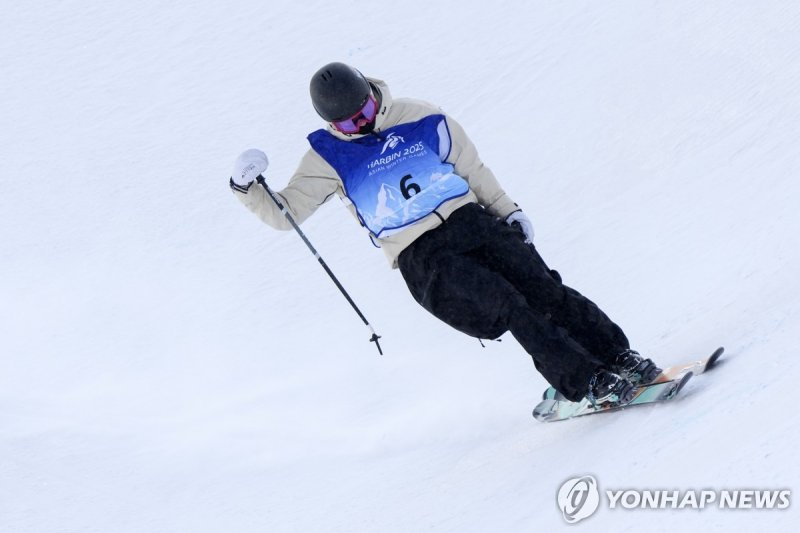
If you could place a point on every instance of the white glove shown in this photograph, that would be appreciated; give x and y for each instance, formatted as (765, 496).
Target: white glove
(248, 166)
(524, 223)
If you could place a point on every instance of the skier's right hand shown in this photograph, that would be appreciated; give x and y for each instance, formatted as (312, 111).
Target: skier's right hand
(248, 166)
(524, 223)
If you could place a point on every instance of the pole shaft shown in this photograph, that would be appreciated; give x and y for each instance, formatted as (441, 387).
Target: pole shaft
(261, 181)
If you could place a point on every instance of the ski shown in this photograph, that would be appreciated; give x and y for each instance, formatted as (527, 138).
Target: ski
(665, 387)
(669, 373)
(554, 410)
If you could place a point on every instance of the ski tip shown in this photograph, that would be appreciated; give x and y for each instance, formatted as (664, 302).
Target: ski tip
(715, 357)
(682, 383)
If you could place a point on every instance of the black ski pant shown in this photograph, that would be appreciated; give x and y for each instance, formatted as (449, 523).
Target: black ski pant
(477, 274)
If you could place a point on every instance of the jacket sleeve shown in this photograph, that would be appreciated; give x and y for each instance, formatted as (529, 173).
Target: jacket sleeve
(313, 184)
(464, 157)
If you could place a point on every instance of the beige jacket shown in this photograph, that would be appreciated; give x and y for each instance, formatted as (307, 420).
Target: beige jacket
(315, 181)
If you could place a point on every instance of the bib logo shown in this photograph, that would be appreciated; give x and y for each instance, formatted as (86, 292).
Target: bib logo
(391, 142)
(578, 498)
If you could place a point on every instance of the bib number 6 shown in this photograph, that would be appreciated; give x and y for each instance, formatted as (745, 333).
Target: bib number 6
(408, 189)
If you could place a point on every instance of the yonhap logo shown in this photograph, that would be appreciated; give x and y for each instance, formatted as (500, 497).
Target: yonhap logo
(578, 498)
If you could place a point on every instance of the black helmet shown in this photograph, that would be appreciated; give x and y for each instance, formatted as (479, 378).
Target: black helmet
(338, 91)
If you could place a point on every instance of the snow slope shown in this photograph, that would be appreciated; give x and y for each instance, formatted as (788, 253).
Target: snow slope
(168, 363)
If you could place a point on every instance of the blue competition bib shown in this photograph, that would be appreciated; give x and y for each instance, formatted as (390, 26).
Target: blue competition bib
(396, 178)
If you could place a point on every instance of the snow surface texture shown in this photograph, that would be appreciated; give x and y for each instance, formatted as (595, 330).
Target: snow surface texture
(169, 363)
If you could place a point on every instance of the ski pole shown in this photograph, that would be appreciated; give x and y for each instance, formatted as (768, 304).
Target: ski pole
(374, 338)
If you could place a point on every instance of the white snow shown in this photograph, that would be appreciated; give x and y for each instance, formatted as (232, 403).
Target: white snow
(169, 363)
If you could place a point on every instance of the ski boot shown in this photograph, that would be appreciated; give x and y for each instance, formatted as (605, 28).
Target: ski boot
(608, 387)
(635, 368)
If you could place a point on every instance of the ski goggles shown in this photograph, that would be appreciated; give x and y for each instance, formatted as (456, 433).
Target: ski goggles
(363, 116)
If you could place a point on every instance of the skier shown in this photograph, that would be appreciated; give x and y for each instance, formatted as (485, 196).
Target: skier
(410, 175)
